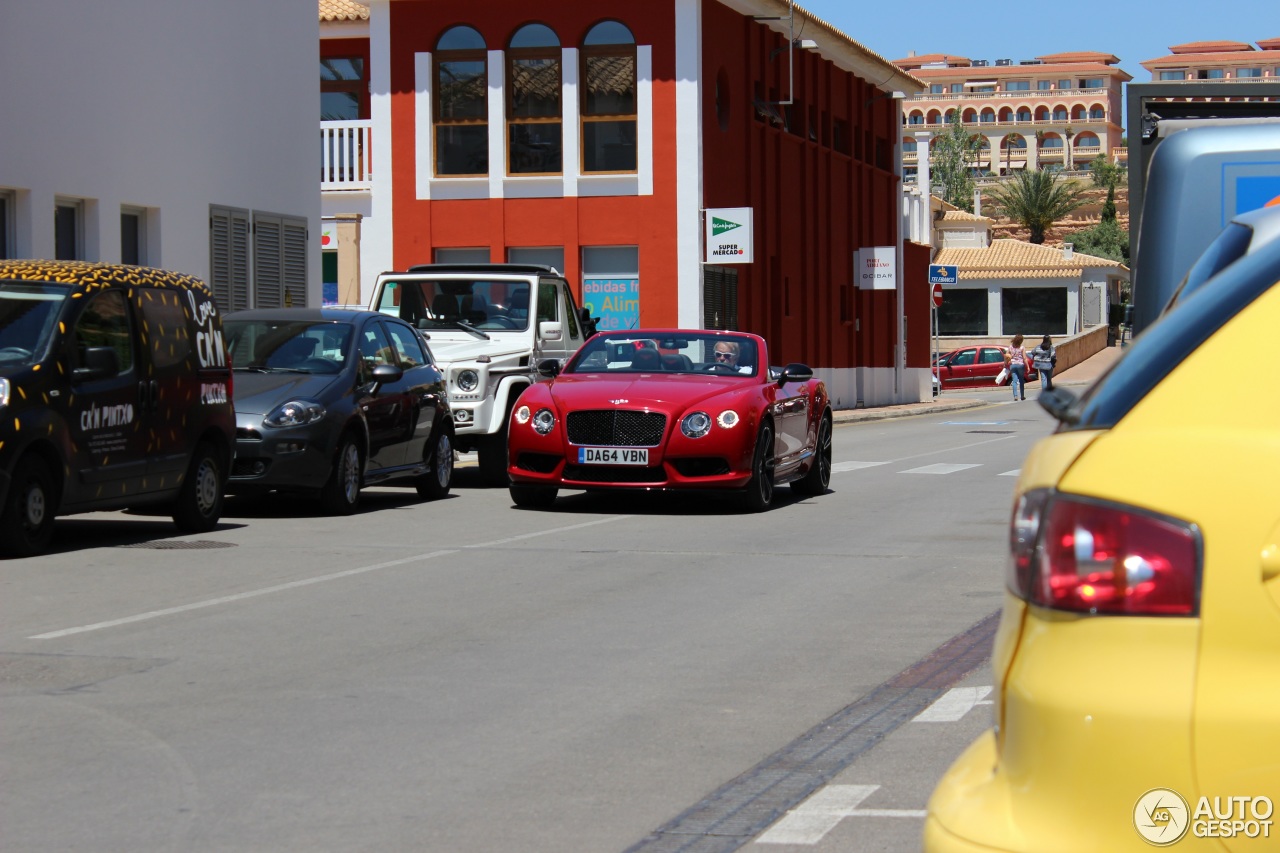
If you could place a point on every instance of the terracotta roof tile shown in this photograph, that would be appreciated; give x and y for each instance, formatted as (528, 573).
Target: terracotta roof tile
(954, 215)
(1269, 44)
(1016, 259)
(911, 62)
(1253, 57)
(1000, 72)
(1210, 47)
(343, 10)
(1078, 56)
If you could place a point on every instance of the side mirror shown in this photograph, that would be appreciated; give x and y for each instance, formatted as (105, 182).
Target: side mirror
(1060, 403)
(549, 367)
(384, 374)
(550, 330)
(99, 363)
(795, 372)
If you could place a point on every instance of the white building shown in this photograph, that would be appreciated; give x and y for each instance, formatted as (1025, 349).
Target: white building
(170, 134)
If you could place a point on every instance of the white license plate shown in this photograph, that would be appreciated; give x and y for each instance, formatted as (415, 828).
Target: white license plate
(613, 456)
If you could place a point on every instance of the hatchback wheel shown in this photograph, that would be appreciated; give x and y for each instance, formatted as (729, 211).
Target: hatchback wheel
(435, 483)
(341, 494)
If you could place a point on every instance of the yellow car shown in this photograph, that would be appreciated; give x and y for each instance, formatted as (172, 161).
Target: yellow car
(1137, 663)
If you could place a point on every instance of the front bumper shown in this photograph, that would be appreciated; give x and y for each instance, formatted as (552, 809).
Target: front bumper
(300, 458)
(663, 472)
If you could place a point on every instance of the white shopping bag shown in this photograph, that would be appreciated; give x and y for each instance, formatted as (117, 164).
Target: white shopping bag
(1002, 376)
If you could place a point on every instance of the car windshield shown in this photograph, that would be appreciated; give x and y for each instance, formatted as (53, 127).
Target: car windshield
(28, 315)
(469, 304)
(288, 346)
(638, 352)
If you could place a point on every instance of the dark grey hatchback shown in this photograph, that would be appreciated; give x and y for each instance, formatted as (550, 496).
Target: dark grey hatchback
(329, 400)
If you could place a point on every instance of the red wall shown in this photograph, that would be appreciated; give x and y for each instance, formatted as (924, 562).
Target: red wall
(814, 205)
(644, 221)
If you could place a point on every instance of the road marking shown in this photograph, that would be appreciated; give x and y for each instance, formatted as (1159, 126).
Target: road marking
(939, 468)
(951, 706)
(213, 602)
(976, 423)
(853, 466)
(1015, 472)
(815, 817)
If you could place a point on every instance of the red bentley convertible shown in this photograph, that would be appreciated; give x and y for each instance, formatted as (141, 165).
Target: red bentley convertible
(670, 409)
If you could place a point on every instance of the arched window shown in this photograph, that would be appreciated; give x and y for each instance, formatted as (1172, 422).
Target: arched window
(461, 104)
(1097, 113)
(609, 99)
(909, 145)
(535, 135)
(1051, 142)
(915, 118)
(1023, 114)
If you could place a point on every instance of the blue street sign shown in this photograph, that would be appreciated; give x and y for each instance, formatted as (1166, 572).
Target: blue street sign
(943, 274)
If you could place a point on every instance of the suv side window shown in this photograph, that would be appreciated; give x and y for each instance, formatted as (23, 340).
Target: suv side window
(546, 302)
(571, 314)
(105, 323)
(407, 345)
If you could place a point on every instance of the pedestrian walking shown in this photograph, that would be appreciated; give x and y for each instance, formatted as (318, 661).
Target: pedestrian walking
(1016, 361)
(1044, 359)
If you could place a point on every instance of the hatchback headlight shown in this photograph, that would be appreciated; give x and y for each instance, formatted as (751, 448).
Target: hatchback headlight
(468, 380)
(294, 413)
(696, 424)
(544, 420)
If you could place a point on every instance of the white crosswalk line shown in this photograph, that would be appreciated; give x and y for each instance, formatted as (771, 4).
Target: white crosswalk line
(953, 705)
(808, 822)
(939, 468)
(853, 466)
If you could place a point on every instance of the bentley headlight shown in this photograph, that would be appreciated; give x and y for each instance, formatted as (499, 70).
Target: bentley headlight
(696, 424)
(294, 413)
(522, 415)
(728, 419)
(544, 420)
(468, 380)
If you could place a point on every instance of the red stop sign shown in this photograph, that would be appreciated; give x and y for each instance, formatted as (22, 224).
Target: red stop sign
(937, 296)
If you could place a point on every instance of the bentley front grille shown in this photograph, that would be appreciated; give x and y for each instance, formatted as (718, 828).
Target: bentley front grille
(616, 428)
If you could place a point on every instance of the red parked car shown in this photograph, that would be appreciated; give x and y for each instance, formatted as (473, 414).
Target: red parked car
(670, 409)
(975, 367)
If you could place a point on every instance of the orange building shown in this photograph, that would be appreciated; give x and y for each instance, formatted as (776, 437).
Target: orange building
(1218, 60)
(1059, 111)
(602, 137)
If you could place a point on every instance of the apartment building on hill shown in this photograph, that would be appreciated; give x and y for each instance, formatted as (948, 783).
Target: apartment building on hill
(1060, 111)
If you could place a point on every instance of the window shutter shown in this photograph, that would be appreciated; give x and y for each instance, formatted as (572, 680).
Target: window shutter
(229, 257)
(720, 298)
(268, 273)
(294, 261)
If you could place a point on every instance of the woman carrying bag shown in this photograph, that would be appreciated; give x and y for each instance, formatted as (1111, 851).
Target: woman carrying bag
(1016, 361)
(1044, 359)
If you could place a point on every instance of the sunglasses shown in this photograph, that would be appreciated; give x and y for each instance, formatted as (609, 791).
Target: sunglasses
(724, 356)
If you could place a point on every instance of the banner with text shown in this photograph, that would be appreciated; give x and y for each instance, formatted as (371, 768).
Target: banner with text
(729, 238)
(616, 301)
(876, 268)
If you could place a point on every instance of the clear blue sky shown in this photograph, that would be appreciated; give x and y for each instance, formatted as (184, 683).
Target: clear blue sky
(1133, 30)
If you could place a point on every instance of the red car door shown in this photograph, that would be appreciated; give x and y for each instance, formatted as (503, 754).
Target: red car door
(960, 367)
(990, 363)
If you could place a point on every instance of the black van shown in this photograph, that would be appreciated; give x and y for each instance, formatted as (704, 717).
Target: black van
(115, 393)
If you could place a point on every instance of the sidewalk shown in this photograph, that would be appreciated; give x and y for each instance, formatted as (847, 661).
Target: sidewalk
(1083, 373)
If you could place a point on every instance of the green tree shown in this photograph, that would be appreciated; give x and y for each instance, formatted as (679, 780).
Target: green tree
(1036, 199)
(1109, 206)
(952, 160)
(1105, 173)
(1104, 240)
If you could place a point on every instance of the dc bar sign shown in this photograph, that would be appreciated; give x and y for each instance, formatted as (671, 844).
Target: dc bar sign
(943, 274)
(729, 236)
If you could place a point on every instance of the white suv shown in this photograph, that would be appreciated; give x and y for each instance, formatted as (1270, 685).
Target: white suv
(488, 325)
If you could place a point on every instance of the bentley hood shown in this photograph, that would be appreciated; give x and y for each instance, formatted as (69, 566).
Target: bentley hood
(672, 394)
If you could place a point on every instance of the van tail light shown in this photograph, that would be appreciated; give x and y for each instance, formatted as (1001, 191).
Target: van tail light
(1085, 556)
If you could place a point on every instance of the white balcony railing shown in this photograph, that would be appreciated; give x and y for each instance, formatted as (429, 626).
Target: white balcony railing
(346, 155)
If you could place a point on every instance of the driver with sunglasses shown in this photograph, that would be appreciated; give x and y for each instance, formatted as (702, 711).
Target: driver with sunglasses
(726, 355)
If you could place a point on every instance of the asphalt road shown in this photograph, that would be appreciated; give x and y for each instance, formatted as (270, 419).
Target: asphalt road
(631, 672)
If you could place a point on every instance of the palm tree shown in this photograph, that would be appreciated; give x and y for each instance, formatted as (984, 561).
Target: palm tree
(1036, 199)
